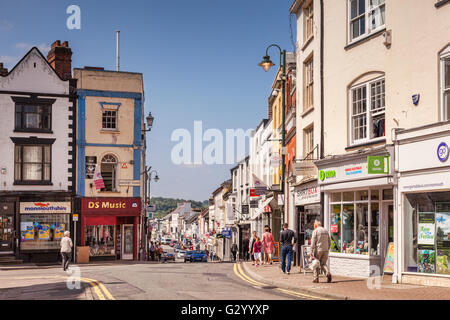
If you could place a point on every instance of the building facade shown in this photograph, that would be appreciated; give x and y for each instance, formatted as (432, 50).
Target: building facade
(110, 140)
(37, 164)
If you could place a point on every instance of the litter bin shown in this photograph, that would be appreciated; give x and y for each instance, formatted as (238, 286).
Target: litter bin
(83, 254)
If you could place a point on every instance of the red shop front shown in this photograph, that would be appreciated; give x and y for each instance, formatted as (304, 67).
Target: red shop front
(109, 227)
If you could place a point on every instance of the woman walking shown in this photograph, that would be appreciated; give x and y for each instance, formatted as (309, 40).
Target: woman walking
(257, 247)
(267, 241)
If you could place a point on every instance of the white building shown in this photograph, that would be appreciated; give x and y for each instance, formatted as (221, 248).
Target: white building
(36, 144)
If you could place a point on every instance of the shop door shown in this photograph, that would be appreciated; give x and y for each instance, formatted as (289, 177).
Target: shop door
(127, 241)
(6, 234)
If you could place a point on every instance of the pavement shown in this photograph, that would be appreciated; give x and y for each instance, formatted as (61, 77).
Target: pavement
(343, 288)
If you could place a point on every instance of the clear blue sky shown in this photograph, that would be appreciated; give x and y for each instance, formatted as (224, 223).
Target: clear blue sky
(199, 60)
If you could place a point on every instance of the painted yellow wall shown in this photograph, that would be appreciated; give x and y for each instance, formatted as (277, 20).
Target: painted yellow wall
(277, 107)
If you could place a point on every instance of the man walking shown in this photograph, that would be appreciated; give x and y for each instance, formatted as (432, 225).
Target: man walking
(245, 247)
(286, 242)
(320, 247)
(234, 249)
(250, 250)
(66, 250)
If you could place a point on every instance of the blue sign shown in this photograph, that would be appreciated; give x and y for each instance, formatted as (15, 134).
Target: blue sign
(226, 233)
(442, 152)
(415, 99)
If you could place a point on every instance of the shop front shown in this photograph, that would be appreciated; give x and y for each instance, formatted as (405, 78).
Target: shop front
(109, 227)
(308, 209)
(42, 225)
(7, 229)
(358, 208)
(423, 247)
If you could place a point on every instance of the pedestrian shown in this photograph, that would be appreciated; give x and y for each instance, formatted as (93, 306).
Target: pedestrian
(66, 250)
(159, 251)
(257, 247)
(268, 242)
(320, 247)
(245, 247)
(287, 237)
(250, 251)
(234, 249)
(152, 251)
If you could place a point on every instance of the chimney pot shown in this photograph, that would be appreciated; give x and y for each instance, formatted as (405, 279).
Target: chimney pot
(57, 43)
(65, 44)
(60, 58)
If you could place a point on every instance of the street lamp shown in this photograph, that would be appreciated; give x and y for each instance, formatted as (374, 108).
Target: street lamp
(149, 120)
(266, 64)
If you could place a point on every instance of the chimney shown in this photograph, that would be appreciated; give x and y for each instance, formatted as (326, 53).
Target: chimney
(3, 71)
(60, 58)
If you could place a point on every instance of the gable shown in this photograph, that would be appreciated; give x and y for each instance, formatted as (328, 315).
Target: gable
(34, 74)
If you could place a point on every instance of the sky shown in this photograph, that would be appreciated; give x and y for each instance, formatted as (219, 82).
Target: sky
(199, 60)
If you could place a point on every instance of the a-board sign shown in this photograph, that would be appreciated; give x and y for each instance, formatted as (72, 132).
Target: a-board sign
(389, 261)
(276, 252)
(306, 257)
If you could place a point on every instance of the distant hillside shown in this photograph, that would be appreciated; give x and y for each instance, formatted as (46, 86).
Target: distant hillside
(164, 205)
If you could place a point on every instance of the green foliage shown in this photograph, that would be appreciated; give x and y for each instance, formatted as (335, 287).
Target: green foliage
(164, 205)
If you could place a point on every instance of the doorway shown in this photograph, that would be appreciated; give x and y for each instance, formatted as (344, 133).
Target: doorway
(387, 230)
(6, 234)
(127, 236)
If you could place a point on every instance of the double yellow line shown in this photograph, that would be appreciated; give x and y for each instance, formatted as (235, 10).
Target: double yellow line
(99, 289)
(240, 273)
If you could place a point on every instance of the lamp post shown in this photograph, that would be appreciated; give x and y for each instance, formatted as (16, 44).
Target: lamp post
(266, 64)
(144, 246)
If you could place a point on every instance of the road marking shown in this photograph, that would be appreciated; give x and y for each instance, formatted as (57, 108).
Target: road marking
(240, 273)
(98, 283)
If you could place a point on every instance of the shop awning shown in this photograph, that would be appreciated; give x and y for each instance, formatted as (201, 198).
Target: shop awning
(100, 221)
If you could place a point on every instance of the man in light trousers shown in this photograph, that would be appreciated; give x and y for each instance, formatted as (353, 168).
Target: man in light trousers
(320, 247)
(66, 250)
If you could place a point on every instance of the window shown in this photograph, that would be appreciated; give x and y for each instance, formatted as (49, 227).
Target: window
(308, 142)
(355, 222)
(42, 231)
(32, 163)
(445, 62)
(109, 120)
(100, 240)
(108, 171)
(308, 21)
(308, 76)
(366, 16)
(33, 117)
(368, 111)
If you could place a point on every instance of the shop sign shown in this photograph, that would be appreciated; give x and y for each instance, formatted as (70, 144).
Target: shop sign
(226, 233)
(266, 209)
(334, 228)
(129, 182)
(304, 168)
(306, 195)
(275, 160)
(110, 204)
(258, 191)
(378, 164)
(442, 152)
(45, 207)
(353, 170)
(254, 204)
(326, 174)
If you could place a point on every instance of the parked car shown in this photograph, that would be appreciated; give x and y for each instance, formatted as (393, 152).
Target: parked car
(177, 248)
(198, 255)
(168, 256)
(187, 256)
(181, 254)
(166, 241)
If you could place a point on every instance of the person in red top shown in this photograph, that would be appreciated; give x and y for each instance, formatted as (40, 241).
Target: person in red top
(257, 247)
(268, 242)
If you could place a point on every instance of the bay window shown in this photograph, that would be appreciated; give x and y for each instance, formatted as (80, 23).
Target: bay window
(367, 111)
(32, 164)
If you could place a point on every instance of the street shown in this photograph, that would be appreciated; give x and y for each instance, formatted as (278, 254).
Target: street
(137, 281)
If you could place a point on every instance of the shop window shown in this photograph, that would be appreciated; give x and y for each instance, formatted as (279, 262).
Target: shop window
(336, 197)
(360, 222)
(109, 171)
(101, 240)
(365, 17)
(348, 220)
(427, 233)
(335, 228)
(367, 111)
(388, 194)
(42, 231)
(32, 164)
